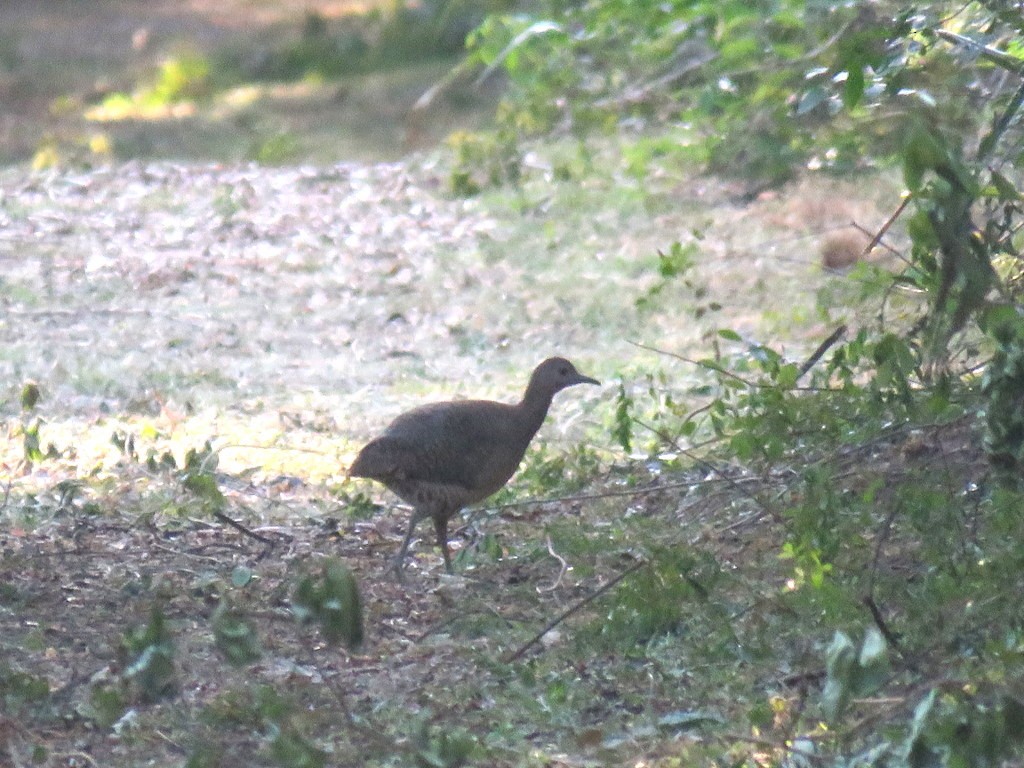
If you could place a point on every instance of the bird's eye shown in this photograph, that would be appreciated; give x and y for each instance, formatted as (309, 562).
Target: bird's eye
(563, 371)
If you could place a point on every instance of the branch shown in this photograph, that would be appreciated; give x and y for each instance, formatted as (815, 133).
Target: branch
(573, 609)
(242, 529)
(997, 57)
(836, 335)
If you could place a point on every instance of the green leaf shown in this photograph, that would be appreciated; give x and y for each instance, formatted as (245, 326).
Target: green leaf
(810, 98)
(241, 576)
(840, 668)
(106, 704)
(205, 487)
(923, 151)
(787, 375)
(873, 662)
(853, 88)
(1004, 187)
(30, 442)
(919, 754)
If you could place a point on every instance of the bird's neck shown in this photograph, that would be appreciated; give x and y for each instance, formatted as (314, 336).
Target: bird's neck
(534, 405)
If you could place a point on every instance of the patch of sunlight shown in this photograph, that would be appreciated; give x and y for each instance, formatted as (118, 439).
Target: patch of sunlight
(119, 106)
(241, 97)
(167, 97)
(261, 446)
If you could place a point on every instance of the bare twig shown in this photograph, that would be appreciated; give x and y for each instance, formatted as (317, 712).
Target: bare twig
(438, 626)
(883, 536)
(573, 609)
(835, 336)
(717, 368)
(561, 573)
(708, 466)
(871, 238)
(888, 224)
(242, 529)
(880, 622)
(997, 57)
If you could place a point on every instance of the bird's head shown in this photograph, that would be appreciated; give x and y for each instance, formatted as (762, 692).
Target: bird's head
(555, 374)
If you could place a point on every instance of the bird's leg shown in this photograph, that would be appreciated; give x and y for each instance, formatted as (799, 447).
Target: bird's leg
(441, 527)
(400, 559)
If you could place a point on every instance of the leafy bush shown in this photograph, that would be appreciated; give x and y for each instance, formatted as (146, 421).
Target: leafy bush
(766, 87)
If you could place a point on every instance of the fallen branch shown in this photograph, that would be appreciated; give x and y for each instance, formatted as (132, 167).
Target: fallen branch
(242, 529)
(573, 609)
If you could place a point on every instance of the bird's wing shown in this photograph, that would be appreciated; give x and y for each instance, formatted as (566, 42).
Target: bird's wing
(466, 443)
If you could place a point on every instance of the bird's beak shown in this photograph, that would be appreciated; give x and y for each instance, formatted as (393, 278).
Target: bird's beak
(581, 379)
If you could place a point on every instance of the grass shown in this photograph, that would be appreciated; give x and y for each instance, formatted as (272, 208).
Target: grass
(302, 308)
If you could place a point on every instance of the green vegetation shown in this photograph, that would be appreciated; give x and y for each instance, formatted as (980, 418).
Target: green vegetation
(751, 90)
(759, 557)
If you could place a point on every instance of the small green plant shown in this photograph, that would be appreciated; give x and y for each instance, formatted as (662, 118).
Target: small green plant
(149, 652)
(675, 264)
(198, 477)
(31, 441)
(483, 160)
(179, 80)
(235, 636)
(443, 747)
(851, 672)
(959, 729)
(658, 600)
(280, 720)
(622, 430)
(277, 149)
(330, 598)
(20, 691)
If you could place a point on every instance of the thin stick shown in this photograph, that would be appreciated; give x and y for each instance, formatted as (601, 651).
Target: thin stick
(880, 622)
(836, 335)
(867, 249)
(707, 365)
(885, 227)
(573, 609)
(242, 529)
(869, 598)
(561, 573)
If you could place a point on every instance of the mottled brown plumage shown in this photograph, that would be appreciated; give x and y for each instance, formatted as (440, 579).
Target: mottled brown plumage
(444, 456)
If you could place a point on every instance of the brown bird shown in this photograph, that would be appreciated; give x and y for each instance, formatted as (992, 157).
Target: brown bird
(444, 456)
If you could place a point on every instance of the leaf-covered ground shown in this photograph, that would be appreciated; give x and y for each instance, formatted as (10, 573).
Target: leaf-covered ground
(286, 314)
(266, 321)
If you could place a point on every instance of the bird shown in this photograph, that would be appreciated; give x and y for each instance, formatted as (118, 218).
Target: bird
(442, 457)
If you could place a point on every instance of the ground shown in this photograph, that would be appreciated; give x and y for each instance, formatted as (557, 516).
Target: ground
(285, 314)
